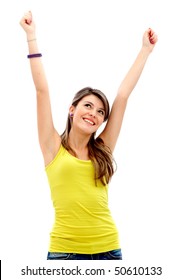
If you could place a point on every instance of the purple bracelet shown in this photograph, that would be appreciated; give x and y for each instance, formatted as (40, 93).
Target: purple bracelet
(34, 55)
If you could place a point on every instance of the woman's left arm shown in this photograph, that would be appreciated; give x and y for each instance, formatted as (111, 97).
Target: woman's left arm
(114, 123)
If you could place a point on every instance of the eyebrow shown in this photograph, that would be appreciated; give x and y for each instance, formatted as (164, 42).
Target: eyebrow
(93, 105)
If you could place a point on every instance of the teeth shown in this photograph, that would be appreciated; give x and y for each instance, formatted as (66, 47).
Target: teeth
(88, 121)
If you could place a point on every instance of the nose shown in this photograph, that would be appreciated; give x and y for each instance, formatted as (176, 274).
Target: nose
(92, 113)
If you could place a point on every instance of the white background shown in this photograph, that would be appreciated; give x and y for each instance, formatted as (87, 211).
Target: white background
(93, 43)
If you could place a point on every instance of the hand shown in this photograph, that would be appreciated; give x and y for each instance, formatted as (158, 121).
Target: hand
(27, 23)
(149, 39)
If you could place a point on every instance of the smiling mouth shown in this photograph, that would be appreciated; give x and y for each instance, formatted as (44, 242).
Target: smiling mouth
(89, 121)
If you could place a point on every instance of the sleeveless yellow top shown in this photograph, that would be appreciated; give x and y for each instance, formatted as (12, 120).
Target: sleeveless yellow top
(83, 222)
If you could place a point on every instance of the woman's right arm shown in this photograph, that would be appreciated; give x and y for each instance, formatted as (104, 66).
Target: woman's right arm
(49, 138)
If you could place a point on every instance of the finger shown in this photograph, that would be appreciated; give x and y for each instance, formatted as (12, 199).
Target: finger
(28, 17)
(151, 35)
(28, 21)
(153, 40)
(150, 32)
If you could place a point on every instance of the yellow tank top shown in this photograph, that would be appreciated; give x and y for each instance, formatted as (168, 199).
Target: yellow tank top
(83, 222)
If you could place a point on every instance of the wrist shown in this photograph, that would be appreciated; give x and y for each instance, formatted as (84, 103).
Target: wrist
(31, 37)
(145, 51)
(31, 40)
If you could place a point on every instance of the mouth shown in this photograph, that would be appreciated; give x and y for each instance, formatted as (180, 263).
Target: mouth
(89, 121)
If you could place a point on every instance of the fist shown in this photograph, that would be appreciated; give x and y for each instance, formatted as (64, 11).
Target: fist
(27, 22)
(152, 36)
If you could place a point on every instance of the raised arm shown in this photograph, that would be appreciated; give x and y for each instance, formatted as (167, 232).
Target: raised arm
(114, 123)
(48, 137)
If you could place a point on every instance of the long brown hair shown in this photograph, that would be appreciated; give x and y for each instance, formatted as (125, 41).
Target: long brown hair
(99, 153)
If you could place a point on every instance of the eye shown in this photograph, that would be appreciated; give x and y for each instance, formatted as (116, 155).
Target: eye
(87, 105)
(101, 112)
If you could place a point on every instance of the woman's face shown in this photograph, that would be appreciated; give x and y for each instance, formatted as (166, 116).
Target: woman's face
(89, 114)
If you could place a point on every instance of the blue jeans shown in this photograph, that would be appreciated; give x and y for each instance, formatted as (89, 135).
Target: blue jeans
(110, 255)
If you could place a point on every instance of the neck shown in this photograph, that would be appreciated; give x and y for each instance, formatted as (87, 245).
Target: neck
(78, 141)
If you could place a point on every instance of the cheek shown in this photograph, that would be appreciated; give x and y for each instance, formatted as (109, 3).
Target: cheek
(101, 119)
(79, 111)
(100, 122)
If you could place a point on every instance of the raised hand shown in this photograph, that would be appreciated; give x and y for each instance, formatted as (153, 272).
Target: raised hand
(149, 39)
(27, 23)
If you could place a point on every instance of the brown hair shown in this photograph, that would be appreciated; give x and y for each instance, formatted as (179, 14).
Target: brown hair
(99, 153)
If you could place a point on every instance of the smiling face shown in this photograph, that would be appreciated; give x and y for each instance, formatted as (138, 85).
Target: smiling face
(88, 115)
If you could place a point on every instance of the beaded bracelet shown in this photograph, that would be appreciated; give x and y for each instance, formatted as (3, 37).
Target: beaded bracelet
(34, 39)
(34, 55)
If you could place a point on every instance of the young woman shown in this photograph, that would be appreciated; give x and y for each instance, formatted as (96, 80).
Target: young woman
(78, 164)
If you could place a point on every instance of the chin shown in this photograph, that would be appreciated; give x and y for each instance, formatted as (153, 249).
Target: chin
(88, 132)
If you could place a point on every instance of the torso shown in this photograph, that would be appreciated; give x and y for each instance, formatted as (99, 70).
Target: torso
(83, 221)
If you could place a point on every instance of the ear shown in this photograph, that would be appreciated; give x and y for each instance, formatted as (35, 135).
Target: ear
(71, 109)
